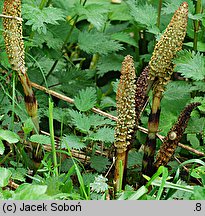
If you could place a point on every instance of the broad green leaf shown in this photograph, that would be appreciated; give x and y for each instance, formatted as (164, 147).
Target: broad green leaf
(199, 193)
(28, 126)
(144, 14)
(172, 6)
(137, 194)
(80, 120)
(9, 136)
(73, 142)
(134, 159)
(104, 134)
(97, 42)
(39, 19)
(190, 65)
(99, 163)
(175, 98)
(192, 138)
(125, 38)
(2, 147)
(86, 99)
(18, 174)
(97, 120)
(5, 176)
(197, 172)
(119, 12)
(31, 192)
(109, 63)
(39, 138)
(200, 45)
(195, 125)
(96, 14)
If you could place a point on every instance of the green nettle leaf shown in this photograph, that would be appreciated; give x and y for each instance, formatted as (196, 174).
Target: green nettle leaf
(2, 148)
(135, 159)
(172, 6)
(175, 98)
(9, 136)
(28, 126)
(5, 176)
(99, 163)
(97, 42)
(97, 120)
(38, 18)
(39, 138)
(115, 85)
(80, 120)
(96, 14)
(99, 185)
(73, 142)
(111, 62)
(86, 99)
(195, 125)
(104, 134)
(125, 38)
(143, 14)
(192, 138)
(190, 65)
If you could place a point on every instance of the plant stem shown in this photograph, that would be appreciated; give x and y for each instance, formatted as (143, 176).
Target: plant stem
(42, 4)
(197, 24)
(159, 13)
(150, 145)
(13, 99)
(119, 171)
(52, 137)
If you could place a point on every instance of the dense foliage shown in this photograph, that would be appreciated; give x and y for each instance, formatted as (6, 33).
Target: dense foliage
(76, 48)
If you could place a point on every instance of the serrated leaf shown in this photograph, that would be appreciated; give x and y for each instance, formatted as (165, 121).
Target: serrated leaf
(144, 14)
(195, 125)
(192, 138)
(111, 62)
(5, 176)
(200, 45)
(175, 98)
(73, 142)
(28, 126)
(9, 136)
(80, 120)
(104, 134)
(39, 138)
(134, 159)
(2, 148)
(38, 18)
(97, 120)
(125, 38)
(89, 177)
(95, 13)
(190, 65)
(119, 12)
(99, 185)
(99, 163)
(85, 99)
(97, 42)
(73, 80)
(171, 6)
